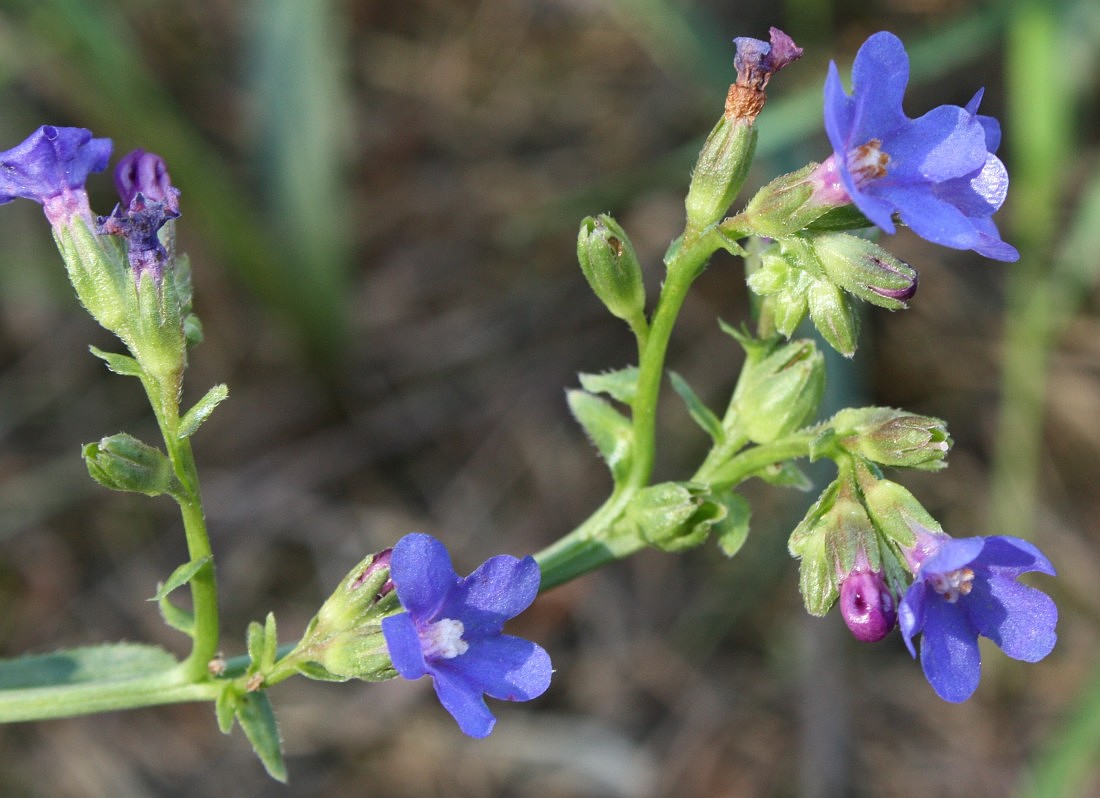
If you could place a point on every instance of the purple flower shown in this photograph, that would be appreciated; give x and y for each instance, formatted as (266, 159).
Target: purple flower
(50, 167)
(451, 630)
(967, 587)
(937, 172)
(149, 201)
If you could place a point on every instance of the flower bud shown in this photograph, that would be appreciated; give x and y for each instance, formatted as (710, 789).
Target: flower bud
(122, 462)
(673, 516)
(867, 604)
(611, 267)
(894, 437)
(833, 317)
(787, 205)
(720, 171)
(344, 640)
(865, 269)
(780, 388)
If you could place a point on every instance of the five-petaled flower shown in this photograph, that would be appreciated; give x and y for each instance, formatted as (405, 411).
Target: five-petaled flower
(937, 172)
(966, 587)
(451, 630)
(50, 168)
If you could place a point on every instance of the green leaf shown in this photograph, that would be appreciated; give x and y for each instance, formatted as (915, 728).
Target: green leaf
(257, 719)
(225, 707)
(194, 417)
(256, 643)
(733, 530)
(699, 412)
(109, 662)
(118, 363)
(609, 429)
(178, 618)
(180, 577)
(785, 475)
(621, 385)
(271, 643)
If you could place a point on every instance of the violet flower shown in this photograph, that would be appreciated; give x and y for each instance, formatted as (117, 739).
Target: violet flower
(937, 172)
(149, 201)
(50, 168)
(756, 61)
(967, 587)
(451, 630)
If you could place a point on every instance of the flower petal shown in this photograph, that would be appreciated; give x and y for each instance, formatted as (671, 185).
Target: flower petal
(954, 554)
(949, 651)
(421, 571)
(1018, 618)
(403, 643)
(911, 613)
(880, 74)
(501, 588)
(945, 143)
(505, 667)
(1015, 556)
(462, 699)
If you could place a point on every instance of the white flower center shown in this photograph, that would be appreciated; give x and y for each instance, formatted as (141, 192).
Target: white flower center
(443, 639)
(954, 584)
(868, 162)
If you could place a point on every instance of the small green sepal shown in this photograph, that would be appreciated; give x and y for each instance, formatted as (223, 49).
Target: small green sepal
(119, 363)
(834, 318)
(732, 531)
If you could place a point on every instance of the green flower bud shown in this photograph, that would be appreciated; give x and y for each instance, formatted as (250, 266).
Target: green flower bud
(780, 388)
(122, 462)
(894, 510)
(720, 171)
(865, 269)
(673, 516)
(833, 316)
(344, 640)
(611, 267)
(894, 437)
(787, 205)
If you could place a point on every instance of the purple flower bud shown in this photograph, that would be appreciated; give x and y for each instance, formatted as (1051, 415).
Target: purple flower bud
(867, 605)
(50, 168)
(149, 201)
(143, 172)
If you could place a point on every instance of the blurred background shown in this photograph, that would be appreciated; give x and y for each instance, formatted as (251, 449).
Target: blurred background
(380, 200)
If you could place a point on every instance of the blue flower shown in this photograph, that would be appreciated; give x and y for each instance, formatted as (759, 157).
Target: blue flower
(50, 167)
(451, 630)
(967, 587)
(937, 172)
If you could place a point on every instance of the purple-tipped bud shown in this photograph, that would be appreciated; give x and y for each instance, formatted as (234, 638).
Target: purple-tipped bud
(381, 560)
(867, 605)
(143, 172)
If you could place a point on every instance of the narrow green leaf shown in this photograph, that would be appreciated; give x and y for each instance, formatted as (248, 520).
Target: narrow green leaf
(609, 429)
(257, 719)
(89, 664)
(178, 618)
(699, 412)
(225, 707)
(194, 417)
(180, 577)
(785, 475)
(621, 384)
(118, 363)
(271, 643)
(256, 645)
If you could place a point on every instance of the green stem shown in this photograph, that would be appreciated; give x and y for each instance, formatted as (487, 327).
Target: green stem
(739, 468)
(204, 590)
(596, 541)
(174, 686)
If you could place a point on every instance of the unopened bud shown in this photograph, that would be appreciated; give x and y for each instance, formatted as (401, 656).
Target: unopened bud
(867, 605)
(865, 269)
(673, 516)
(122, 462)
(611, 266)
(721, 169)
(780, 388)
(894, 437)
